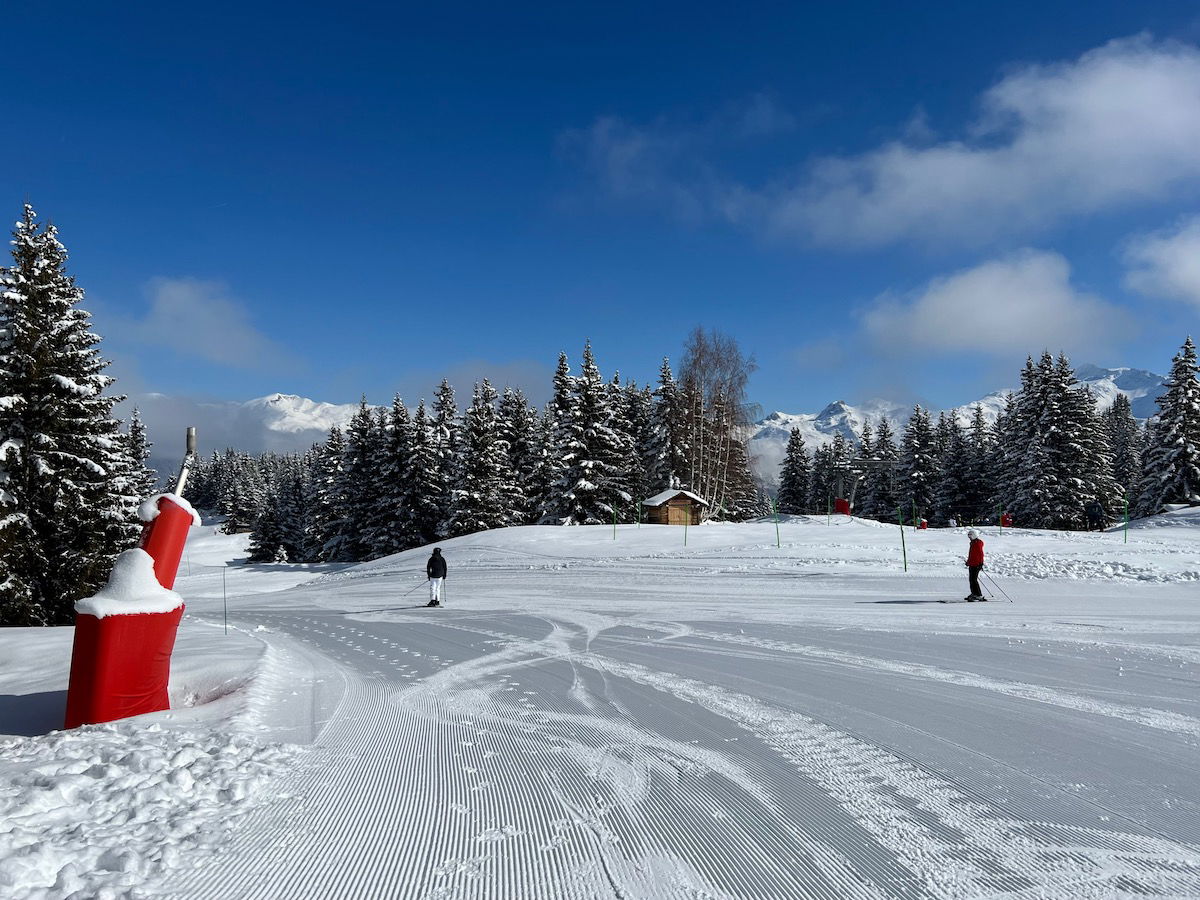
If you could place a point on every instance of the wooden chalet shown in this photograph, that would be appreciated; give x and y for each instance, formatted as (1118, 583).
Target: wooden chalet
(674, 508)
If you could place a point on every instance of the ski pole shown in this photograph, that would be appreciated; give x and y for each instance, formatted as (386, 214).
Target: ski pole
(413, 588)
(992, 581)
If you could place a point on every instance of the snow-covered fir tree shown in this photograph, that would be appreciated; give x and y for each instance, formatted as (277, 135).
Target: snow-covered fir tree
(920, 466)
(445, 447)
(145, 479)
(1127, 440)
(795, 476)
(951, 497)
(484, 480)
(1171, 468)
(355, 489)
(520, 432)
(821, 485)
(392, 529)
(63, 516)
(590, 485)
(422, 496)
(667, 452)
(561, 431)
(328, 506)
(880, 496)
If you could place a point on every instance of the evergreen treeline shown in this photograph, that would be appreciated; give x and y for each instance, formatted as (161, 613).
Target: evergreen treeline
(1047, 459)
(70, 480)
(398, 478)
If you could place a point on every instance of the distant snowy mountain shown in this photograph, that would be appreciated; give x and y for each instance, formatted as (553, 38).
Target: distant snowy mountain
(769, 436)
(289, 414)
(283, 423)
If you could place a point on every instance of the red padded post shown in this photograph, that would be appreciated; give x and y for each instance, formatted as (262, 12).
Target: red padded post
(120, 666)
(121, 663)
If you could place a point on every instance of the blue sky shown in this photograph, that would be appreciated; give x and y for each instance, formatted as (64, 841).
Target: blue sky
(337, 199)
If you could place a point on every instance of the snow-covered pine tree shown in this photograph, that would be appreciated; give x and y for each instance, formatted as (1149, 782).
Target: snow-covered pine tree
(1034, 494)
(952, 495)
(563, 440)
(355, 488)
(393, 530)
(326, 501)
(243, 491)
(61, 511)
(1085, 459)
(626, 455)
(1127, 440)
(667, 453)
(976, 487)
(1004, 459)
(1171, 467)
(445, 448)
(744, 497)
(590, 484)
(203, 486)
(866, 446)
(822, 484)
(422, 481)
(484, 481)
(266, 537)
(920, 467)
(145, 479)
(519, 430)
(881, 498)
(795, 476)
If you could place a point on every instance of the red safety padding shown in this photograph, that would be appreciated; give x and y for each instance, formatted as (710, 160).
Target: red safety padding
(120, 666)
(164, 537)
(841, 505)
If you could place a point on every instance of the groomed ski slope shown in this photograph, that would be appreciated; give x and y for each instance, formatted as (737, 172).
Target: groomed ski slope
(632, 717)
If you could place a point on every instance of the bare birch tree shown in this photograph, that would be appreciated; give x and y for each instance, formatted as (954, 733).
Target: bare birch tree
(713, 380)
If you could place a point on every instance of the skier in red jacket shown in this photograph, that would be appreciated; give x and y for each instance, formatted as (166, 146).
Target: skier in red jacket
(974, 564)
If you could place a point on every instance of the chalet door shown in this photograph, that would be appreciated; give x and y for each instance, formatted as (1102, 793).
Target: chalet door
(678, 515)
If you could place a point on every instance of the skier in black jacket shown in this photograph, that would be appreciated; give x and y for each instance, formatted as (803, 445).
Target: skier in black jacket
(435, 571)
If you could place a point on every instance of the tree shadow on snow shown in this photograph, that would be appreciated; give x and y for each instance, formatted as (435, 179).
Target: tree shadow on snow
(32, 714)
(897, 601)
(394, 608)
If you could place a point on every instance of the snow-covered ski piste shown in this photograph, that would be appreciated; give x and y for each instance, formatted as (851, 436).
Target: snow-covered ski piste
(630, 716)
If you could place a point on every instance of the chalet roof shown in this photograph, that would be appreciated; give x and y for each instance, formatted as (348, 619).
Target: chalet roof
(660, 499)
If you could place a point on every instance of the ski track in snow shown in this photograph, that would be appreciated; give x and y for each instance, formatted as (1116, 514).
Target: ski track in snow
(588, 718)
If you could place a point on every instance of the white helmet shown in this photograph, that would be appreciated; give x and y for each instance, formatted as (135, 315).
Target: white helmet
(972, 534)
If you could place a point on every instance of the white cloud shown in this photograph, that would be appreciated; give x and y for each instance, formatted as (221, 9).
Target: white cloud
(1002, 308)
(199, 319)
(1119, 125)
(1167, 263)
(1116, 127)
(663, 164)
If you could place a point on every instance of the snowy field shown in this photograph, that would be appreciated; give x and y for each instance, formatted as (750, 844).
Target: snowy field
(637, 718)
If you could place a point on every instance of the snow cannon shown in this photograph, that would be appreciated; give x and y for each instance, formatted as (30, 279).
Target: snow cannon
(841, 506)
(166, 519)
(124, 635)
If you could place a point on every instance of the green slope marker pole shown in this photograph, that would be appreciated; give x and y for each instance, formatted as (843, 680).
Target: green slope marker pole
(1000, 517)
(775, 511)
(1127, 518)
(685, 525)
(903, 548)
